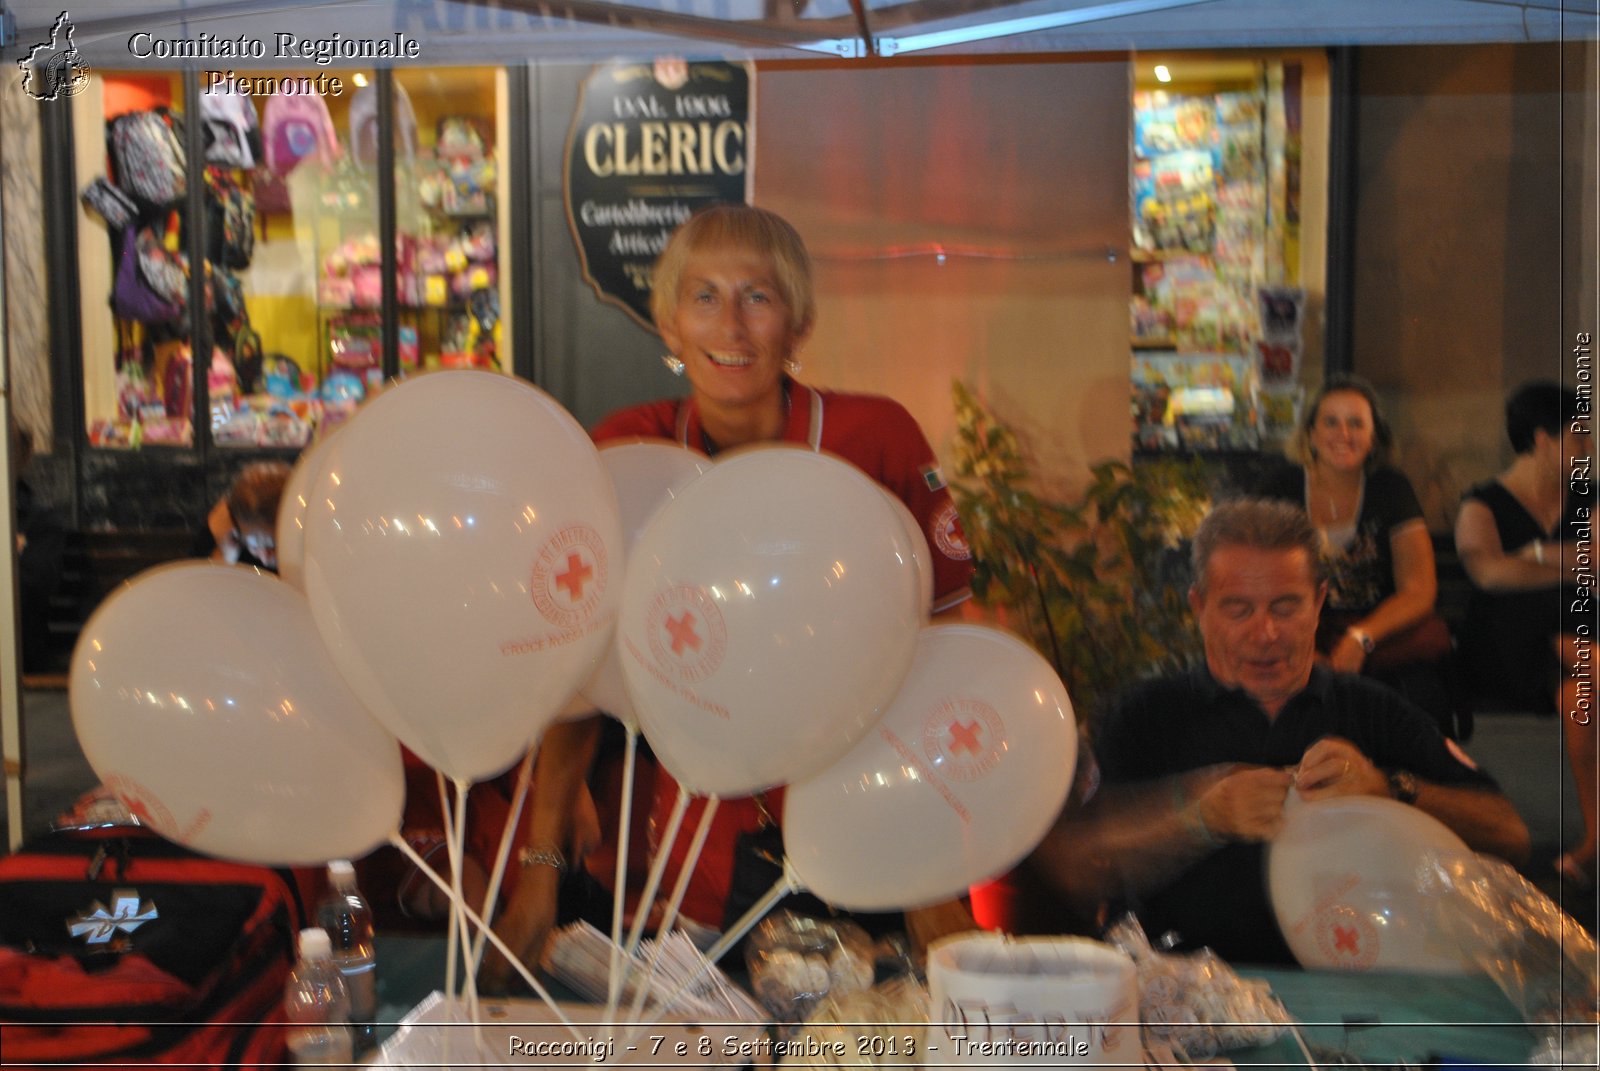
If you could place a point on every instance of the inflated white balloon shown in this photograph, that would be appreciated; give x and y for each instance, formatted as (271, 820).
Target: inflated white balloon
(919, 551)
(462, 558)
(769, 615)
(202, 695)
(1344, 876)
(960, 780)
(291, 523)
(646, 474)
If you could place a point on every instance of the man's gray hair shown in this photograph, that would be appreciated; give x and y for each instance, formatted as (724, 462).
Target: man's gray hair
(1263, 524)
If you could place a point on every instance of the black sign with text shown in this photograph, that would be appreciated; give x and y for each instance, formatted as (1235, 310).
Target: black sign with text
(650, 144)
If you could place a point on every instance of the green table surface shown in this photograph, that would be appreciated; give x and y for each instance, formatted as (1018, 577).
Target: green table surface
(1381, 1018)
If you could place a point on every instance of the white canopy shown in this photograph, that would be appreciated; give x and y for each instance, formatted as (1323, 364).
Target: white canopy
(455, 32)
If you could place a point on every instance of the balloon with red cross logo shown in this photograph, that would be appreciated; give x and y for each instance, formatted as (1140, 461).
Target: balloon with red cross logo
(1345, 877)
(960, 779)
(647, 474)
(463, 564)
(203, 696)
(769, 614)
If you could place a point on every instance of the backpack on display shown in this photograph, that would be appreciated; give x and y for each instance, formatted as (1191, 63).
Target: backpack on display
(118, 948)
(162, 264)
(132, 296)
(114, 206)
(147, 156)
(364, 125)
(233, 133)
(231, 211)
(294, 128)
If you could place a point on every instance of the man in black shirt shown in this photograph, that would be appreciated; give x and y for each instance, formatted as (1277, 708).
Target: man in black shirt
(1196, 767)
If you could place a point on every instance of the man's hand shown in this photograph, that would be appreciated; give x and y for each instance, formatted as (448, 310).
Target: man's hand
(1246, 804)
(1333, 767)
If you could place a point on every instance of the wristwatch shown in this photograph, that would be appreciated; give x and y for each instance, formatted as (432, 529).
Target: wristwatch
(1362, 637)
(1403, 785)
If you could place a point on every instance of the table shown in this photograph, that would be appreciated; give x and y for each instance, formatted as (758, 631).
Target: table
(1394, 1017)
(1377, 1017)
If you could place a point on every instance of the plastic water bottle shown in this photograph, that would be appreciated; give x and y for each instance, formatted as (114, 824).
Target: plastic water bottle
(317, 1005)
(347, 918)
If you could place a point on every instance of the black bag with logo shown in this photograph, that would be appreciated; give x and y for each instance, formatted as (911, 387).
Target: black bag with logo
(120, 947)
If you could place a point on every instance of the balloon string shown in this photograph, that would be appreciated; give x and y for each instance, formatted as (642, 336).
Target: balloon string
(679, 888)
(469, 969)
(409, 852)
(452, 807)
(452, 848)
(647, 899)
(785, 885)
(503, 852)
(618, 901)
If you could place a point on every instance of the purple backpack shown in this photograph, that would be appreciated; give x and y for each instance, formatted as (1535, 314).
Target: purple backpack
(132, 297)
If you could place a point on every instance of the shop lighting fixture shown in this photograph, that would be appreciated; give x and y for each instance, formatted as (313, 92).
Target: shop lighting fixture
(1162, 74)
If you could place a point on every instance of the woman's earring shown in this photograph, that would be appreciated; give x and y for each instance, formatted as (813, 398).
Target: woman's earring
(792, 366)
(674, 365)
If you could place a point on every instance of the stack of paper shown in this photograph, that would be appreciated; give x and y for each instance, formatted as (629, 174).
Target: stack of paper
(580, 957)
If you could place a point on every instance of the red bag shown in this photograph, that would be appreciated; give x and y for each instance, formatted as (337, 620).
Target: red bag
(117, 946)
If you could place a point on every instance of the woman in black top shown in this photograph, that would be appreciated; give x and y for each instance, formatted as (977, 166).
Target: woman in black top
(1516, 535)
(1375, 545)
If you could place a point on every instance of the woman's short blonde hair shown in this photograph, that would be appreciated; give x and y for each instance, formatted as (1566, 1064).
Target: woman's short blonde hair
(742, 227)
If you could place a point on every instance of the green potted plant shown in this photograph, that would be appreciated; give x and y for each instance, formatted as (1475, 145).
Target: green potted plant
(1098, 583)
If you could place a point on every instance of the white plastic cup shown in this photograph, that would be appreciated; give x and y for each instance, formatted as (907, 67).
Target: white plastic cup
(997, 1001)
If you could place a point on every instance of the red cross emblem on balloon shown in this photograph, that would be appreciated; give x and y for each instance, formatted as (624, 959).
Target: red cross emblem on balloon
(569, 576)
(1347, 938)
(963, 737)
(687, 632)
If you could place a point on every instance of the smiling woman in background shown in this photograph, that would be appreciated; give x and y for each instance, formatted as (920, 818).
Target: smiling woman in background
(1376, 549)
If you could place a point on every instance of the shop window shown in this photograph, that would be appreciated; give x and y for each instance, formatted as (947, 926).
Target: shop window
(1224, 276)
(294, 258)
(316, 217)
(450, 193)
(137, 357)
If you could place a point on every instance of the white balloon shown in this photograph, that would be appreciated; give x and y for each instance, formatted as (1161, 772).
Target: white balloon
(768, 617)
(202, 695)
(1344, 879)
(291, 523)
(960, 780)
(919, 551)
(462, 558)
(646, 474)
